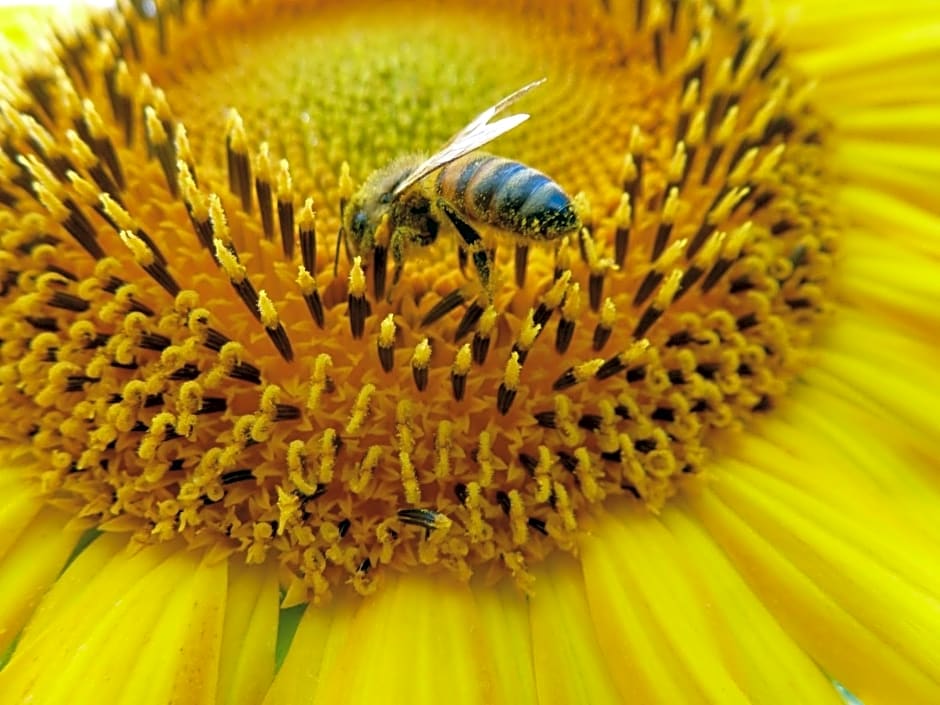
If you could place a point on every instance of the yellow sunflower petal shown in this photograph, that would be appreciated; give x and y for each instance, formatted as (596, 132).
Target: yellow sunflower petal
(504, 613)
(895, 388)
(127, 595)
(246, 664)
(895, 283)
(89, 586)
(899, 50)
(570, 663)
(398, 642)
(17, 510)
(819, 430)
(320, 637)
(179, 661)
(755, 647)
(168, 608)
(845, 607)
(893, 217)
(31, 565)
(659, 645)
(904, 170)
(911, 123)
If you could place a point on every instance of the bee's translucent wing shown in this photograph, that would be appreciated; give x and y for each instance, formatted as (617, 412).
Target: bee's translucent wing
(477, 133)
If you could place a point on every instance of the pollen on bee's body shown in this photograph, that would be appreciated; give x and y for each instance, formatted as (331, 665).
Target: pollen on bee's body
(165, 348)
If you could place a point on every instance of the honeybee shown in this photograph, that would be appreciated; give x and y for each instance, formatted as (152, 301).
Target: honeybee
(470, 188)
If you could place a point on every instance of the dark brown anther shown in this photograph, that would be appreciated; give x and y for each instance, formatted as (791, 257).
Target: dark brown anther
(458, 384)
(716, 273)
(662, 237)
(563, 335)
(521, 263)
(459, 371)
(480, 347)
(238, 162)
(160, 274)
(263, 194)
(315, 306)
(595, 289)
(504, 398)
(649, 317)
(566, 380)
(77, 225)
(285, 219)
(611, 367)
(601, 336)
(444, 306)
(104, 148)
(529, 463)
(545, 419)
(658, 49)
(701, 235)
(246, 292)
(502, 499)
(621, 244)
(379, 271)
(713, 156)
(279, 337)
(470, 318)
(212, 405)
(538, 525)
(246, 372)
(359, 310)
(716, 109)
(647, 286)
(689, 279)
(386, 357)
(420, 364)
(69, 302)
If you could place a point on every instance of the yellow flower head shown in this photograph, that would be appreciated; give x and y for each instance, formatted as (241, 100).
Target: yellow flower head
(184, 350)
(234, 334)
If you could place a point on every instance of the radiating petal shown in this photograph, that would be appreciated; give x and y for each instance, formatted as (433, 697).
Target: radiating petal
(569, 661)
(757, 650)
(893, 217)
(30, 566)
(847, 604)
(504, 613)
(246, 665)
(894, 283)
(416, 641)
(320, 638)
(141, 628)
(659, 644)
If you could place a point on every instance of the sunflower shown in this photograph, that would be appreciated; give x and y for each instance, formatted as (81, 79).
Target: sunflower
(258, 447)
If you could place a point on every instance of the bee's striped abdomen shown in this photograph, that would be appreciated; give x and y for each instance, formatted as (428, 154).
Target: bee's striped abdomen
(508, 195)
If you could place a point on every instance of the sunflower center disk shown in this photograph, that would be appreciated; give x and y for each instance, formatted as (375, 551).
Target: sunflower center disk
(184, 361)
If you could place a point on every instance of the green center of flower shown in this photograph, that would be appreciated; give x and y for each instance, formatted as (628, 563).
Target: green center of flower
(186, 362)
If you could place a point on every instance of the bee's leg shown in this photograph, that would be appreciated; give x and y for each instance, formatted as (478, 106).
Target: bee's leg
(482, 258)
(396, 246)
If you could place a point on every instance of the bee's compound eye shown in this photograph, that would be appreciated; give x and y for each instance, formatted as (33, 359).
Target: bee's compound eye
(359, 222)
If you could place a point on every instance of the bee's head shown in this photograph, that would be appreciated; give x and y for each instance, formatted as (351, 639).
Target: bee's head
(372, 202)
(362, 217)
